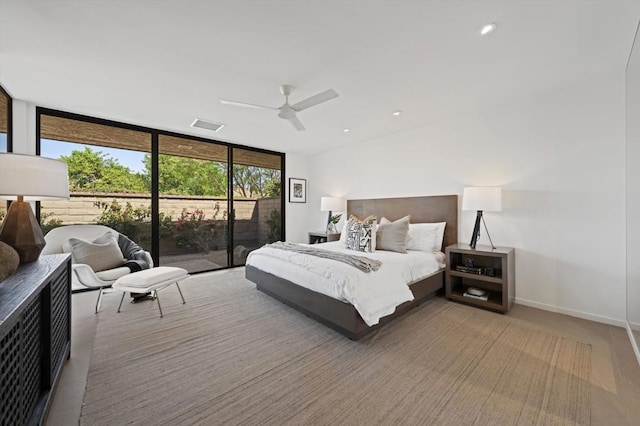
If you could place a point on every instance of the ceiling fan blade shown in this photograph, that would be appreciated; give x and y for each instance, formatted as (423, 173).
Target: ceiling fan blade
(297, 123)
(327, 95)
(244, 104)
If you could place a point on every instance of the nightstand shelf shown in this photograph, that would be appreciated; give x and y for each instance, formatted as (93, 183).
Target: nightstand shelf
(493, 303)
(496, 277)
(322, 237)
(476, 277)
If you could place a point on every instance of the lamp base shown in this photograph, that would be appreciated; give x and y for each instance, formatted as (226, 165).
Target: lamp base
(328, 228)
(22, 231)
(476, 230)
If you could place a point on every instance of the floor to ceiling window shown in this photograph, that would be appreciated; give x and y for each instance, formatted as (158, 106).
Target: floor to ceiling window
(193, 203)
(257, 201)
(109, 176)
(5, 120)
(5, 134)
(170, 193)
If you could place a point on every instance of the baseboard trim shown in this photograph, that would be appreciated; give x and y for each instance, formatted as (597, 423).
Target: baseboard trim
(634, 343)
(573, 313)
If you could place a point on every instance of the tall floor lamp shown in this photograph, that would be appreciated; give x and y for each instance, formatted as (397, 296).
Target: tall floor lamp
(331, 204)
(480, 199)
(27, 178)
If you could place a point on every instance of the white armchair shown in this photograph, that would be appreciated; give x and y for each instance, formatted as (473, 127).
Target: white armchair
(82, 276)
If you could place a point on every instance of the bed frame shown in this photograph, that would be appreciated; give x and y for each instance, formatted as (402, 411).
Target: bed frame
(342, 316)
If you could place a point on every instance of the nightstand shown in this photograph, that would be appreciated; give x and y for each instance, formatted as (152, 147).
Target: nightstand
(322, 237)
(491, 270)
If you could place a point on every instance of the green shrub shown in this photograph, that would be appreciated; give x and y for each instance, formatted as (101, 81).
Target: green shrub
(48, 222)
(193, 231)
(130, 221)
(274, 223)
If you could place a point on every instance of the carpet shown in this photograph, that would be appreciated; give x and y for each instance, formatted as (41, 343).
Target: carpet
(233, 355)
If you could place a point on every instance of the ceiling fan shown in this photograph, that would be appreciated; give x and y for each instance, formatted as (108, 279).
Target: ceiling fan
(288, 112)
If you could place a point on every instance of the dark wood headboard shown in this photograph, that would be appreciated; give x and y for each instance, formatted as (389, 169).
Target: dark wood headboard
(438, 208)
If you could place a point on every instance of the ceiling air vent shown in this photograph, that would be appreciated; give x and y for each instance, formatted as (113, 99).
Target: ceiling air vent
(208, 125)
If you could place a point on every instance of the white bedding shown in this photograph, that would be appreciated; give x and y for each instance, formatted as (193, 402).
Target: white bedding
(373, 294)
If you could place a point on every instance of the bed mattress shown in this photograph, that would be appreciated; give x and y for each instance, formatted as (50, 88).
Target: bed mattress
(373, 294)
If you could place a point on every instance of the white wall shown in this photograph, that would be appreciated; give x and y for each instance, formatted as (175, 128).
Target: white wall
(633, 196)
(24, 127)
(559, 157)
(297, 166)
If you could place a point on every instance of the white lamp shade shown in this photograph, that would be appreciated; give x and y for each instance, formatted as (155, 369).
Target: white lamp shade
(485, 198)
(332, 204)
(33, 177)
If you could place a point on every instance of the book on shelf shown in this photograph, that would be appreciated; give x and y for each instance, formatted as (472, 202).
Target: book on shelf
(484, 297)
(469, 269)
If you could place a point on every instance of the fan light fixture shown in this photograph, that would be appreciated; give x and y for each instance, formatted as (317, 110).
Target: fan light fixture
(346, 130)
(489, 28)
(396, 113)
(287, 111)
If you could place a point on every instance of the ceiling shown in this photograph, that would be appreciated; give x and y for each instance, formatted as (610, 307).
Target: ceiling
(163, 63)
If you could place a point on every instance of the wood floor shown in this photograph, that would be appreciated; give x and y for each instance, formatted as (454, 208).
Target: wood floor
(615, 373)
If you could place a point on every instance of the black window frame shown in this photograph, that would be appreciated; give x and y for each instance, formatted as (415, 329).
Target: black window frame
(9, 119)
(155, 196)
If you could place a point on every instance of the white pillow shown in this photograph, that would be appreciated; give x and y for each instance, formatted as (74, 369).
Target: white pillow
(343, 233)
(423, 236)
(426, 236)
(100, 254)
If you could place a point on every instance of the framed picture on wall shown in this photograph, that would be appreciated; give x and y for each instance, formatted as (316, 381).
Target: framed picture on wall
(297, 190)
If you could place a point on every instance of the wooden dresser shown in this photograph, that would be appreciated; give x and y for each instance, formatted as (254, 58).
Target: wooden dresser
(35, 337)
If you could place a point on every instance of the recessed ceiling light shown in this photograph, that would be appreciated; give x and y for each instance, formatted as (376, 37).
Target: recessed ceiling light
(346, 130)
(488, 29)
(397, 113)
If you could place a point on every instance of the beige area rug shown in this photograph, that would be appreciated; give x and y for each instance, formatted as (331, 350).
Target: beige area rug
(233, 355)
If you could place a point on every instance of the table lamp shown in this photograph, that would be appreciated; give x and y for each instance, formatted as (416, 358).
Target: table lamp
(481, 198)
(332, 204)
(27, 178)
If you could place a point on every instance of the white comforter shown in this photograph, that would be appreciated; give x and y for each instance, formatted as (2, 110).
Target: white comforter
(373, 294)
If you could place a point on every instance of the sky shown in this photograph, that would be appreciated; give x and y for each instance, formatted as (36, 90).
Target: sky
(54, 149)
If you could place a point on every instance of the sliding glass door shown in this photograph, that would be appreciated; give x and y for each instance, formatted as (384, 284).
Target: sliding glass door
(257, 201)
(170, 193)
(193, 203)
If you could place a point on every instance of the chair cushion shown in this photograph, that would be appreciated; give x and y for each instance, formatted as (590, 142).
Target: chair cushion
(151, 277)
(100, 254)
(113, 274)
(57, 237)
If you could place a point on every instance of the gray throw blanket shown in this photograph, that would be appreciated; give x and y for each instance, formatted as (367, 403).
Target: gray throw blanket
(363, 263)
(136, 265)
(136, 260)
(133, 253)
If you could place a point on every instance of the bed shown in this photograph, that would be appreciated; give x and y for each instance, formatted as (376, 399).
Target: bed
(342, 316)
